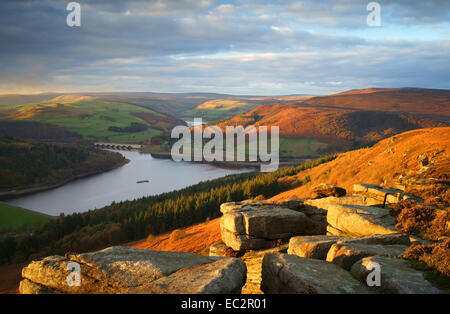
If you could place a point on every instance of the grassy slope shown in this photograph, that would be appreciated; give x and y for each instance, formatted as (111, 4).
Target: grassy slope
(219, 109)
(381, 164)
(194, 239)
(91, 119)
(352, 118)
(12, 217)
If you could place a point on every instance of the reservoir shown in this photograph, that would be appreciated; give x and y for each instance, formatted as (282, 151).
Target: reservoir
(142, 176)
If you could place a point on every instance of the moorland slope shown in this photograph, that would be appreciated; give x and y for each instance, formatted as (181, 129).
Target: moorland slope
(353, 118)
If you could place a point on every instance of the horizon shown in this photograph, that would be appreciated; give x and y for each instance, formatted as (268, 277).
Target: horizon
(202, 92)
(231, 47)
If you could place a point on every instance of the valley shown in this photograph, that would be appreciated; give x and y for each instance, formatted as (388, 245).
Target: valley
(115, 210)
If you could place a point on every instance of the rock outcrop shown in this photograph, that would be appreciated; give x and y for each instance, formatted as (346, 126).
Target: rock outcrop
(382, 194)
(319, 246)
(396, 276)
(285, 273)
(324, 245)
(312, 246)
(250, 226)
(346, 254)
(253, 260)
(355, 220)
(130, 270)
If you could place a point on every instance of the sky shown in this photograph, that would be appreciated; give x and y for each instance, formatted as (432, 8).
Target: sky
(246, 47)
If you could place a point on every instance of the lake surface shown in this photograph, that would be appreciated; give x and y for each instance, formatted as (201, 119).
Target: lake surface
(164, 175)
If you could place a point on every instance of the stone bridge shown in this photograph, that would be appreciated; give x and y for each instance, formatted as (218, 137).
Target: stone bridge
(117, 146)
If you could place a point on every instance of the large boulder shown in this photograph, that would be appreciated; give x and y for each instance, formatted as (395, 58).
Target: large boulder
(354, 220)
(396, 276)
(312, 246)
(345, 254)
(324, 203)
(378, 194)
(319, 246)
(249, 226)
(285, 273)
(130, 270)
(324, 190)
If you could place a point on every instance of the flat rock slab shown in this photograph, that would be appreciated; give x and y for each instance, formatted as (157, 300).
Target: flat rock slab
(396, 276)
(381, 194)
(318, 246)
(324, 203)
(354, 220)
(130, 270)
(246, 227)
(294, 204)
(285, 273)
(312, 246)
(345, 254)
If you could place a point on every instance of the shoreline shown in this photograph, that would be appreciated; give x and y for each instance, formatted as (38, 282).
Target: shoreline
(284, 161)
(5, 196)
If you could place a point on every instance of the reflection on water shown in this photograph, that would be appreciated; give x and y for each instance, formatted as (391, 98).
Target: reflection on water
(120, 184)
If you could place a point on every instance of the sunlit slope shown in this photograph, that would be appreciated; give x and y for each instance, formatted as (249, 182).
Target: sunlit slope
(353, 119)
(418, 101)
(384, 163)
(96, 119)
(194, 239)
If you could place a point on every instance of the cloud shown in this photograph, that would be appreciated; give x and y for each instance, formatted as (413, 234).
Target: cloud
(253, 46)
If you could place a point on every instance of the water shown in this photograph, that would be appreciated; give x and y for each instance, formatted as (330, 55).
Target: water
(97, 191)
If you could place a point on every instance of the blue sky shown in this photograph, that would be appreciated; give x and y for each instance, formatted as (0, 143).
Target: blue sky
(254, 47)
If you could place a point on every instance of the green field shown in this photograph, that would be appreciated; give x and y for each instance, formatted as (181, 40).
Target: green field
(297, 147)
(134, 137)
(219, 109)
(12, 218)
(289, 148)
(91, 119)
(300, 147)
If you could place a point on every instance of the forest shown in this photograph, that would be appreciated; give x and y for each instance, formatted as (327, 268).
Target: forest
(133, 220)
(28, 164)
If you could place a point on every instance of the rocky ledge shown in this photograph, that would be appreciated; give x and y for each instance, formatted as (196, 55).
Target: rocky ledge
(329, 244)
(326, 244)
(129, 270)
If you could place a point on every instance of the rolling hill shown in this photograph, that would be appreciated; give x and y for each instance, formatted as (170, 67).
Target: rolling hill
(220, 109)
(93, 119)
(181, 105)
(389, 162)
(354, 118)
(434, 103)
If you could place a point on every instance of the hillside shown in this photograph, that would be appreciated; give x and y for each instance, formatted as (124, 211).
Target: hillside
(433, 103)
(389, 162)
(384, 163)
(194, 239)
(93, 119)
(12, 217)
(354, 118)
